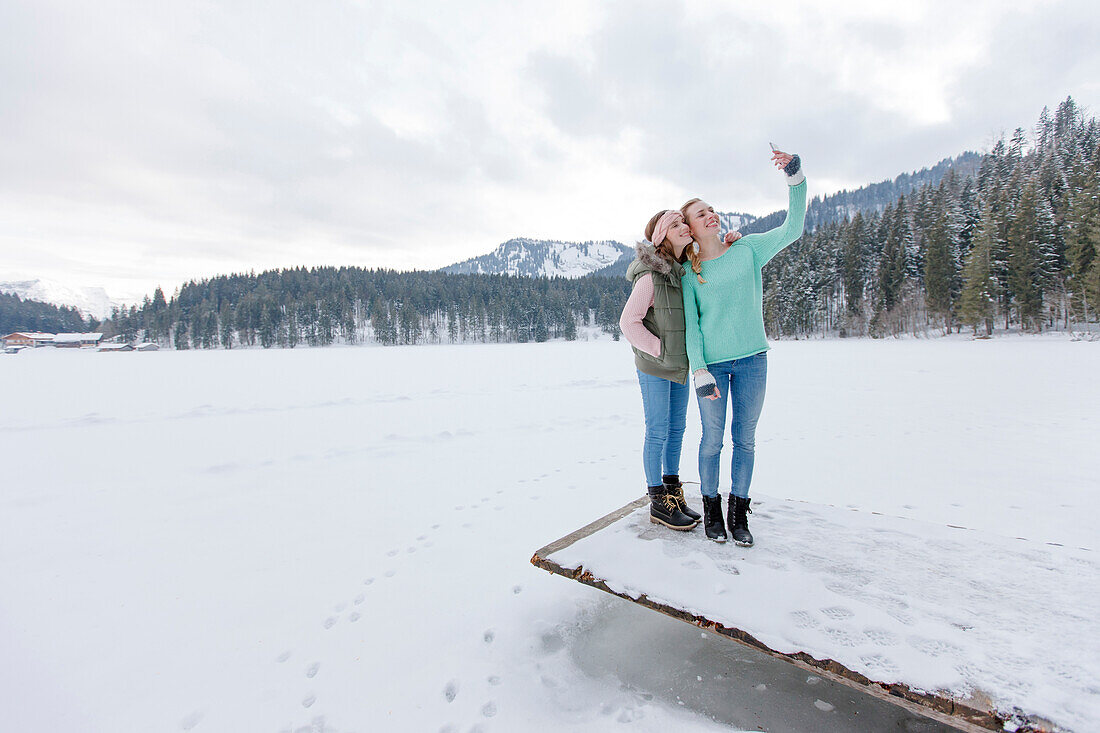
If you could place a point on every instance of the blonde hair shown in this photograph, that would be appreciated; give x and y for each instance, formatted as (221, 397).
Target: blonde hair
(689, 251)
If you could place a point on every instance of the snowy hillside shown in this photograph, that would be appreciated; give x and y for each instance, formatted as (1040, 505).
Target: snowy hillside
(339, 539)
(88, 300)
(542, 257)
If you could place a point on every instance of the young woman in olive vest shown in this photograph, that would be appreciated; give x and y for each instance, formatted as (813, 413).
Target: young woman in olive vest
(653, 322)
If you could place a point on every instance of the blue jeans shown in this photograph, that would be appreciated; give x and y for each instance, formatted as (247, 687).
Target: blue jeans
(742, 382)
(665, 406)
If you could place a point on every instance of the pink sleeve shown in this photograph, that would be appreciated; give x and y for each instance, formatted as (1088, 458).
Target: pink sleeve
(639, 302)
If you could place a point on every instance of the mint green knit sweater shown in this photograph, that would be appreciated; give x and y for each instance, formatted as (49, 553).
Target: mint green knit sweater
(725, 315)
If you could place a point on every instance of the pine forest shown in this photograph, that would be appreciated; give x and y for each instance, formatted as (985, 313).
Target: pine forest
(1006, 241)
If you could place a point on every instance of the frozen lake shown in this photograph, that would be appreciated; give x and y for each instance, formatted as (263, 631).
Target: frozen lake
(338, 539)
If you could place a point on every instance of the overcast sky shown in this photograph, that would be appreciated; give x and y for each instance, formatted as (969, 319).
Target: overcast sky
(154, 142)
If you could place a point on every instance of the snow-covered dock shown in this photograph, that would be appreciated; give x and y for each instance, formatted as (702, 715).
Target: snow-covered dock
(971, 628)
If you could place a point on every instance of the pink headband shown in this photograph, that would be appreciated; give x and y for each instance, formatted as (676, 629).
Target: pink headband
(667, 220)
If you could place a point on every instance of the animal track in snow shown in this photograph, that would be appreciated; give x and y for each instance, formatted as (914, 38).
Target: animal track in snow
(368, 581)
(354, 616)
(311, 671)
(489, 709)
(390, 573)
(330, 622)
(517, 589)
(451, 690)
(488, 636)
(309, 700)
(283, 657)
(494, 680)
(360, 598)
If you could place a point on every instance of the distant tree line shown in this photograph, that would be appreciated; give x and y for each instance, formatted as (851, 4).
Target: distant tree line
(1013, 246)
(17, 314)
(322, 305)
(1008, 239)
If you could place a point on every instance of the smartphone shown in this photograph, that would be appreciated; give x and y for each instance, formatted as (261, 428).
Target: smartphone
(774, 149)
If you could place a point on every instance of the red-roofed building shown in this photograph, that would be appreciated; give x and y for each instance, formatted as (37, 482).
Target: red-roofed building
(28, 338)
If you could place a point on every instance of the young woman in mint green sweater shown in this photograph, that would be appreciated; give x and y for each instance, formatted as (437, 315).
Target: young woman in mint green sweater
(726, 345)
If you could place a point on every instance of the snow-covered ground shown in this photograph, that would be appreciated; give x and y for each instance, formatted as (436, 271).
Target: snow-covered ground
(338, 539)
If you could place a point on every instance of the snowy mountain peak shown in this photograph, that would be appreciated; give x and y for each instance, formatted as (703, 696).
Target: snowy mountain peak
(543, 258)
(88, 300)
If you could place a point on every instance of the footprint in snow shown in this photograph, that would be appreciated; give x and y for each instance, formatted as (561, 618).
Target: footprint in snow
(488, 636)
(283, 657)
(489, 709)
(881, 637)
(390, 573)
(354, 616)
(842, 636)
(309, 700)
(391, 553)
(191, 720)
(311, 671)
(451, 690)
(360, 598)
(517, 589)
(330, 622)
(803, 619)
(837, 613)
(494, 680)
(422, 537)
(878, 664)
(368, 581)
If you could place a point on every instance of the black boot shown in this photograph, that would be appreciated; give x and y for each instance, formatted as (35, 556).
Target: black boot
(712, 518)
(663, 510)
(676, 489)
(738, 520)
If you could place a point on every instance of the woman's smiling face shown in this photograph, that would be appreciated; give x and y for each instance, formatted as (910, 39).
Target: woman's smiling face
(702, 221)
(678, 237)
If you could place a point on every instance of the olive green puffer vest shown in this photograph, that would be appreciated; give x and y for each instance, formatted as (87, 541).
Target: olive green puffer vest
(665, 319)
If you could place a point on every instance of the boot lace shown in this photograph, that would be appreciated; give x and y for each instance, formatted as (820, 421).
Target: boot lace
(670, 503)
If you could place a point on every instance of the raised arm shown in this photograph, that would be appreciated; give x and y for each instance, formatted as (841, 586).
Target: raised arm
(770, 243)
(637, 305)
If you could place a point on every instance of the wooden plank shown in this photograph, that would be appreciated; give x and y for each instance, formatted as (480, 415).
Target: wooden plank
(963, 716)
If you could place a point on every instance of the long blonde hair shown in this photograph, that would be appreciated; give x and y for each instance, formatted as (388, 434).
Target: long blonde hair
(689, 251)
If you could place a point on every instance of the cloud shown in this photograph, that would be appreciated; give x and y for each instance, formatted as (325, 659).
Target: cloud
(144, 143)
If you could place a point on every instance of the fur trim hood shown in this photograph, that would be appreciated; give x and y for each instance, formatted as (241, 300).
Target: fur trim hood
(646, 259)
